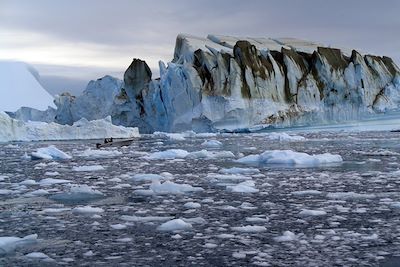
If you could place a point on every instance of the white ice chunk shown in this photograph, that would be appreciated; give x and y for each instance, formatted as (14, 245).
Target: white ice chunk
(90, 168)
(282, 137)
(212, 144)
(49, 153)
(175, 225)
(169, 187)
(243, 187)
(236, 170)
(249, 229)
(9, 243)
(286, 237)
(306, 212)
(289, 157)
(192, 205)
(87, 210)
(89, 153)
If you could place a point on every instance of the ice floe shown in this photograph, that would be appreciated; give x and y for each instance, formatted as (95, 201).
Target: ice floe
(9, 243)
(89, 168)
(289, 157)
(87, 210)
(50, 153)
(175, 225)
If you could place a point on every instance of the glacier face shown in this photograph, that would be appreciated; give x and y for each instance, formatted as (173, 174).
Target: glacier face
(229, 83)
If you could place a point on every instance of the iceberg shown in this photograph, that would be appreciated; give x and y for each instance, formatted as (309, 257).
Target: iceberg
(20, 87)
(226, 83)
(16, 130)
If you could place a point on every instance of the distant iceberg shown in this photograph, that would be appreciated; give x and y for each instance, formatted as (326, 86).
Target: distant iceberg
(16, 130)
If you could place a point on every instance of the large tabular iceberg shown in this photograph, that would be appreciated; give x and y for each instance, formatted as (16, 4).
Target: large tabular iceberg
(229, 83)
(16, 130)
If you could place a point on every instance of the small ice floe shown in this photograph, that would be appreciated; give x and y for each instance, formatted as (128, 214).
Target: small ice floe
(205, 154)
(118, 226)
(52, 181)
(51, 173)
(55, 210)
(306, 192)
(243, 187)
(349, 195)
(49, 153)
(99, 153)
(78, 193)
(236, 170)
(9, 243)
(182, 154)
(380, 152)
(147, 177)
(28, 182)
(249, 229)
(173, 188)
(289, 157)
(171, 136)
(212, 144)
(286, 237)
(284, 137)
(168, 154)
(175, 225)
(192, 205)
(145, 219)
(90, 168)
(39, 256)
(36, 193)
(306, 212)
(168, 187)
(87, 210)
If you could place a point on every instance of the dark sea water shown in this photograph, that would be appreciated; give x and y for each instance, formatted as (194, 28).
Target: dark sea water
(357, 204)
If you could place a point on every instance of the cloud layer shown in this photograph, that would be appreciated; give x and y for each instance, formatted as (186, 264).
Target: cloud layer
(105, 35)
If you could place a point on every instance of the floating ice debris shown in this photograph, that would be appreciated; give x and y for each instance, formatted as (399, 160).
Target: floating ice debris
(205, 154)
(192, 205)
(118, 226)
(49, 153)
(168, 154)
(286, 237)
(172, 136)
(306, 212)
(87, 210)
(78, 194)
(145, 219)
(349, 195)
(90, 168)
(306, 192)
(277, 136)
(147, 177)
(9, 243)
(236, 170)
(175, 225)
(243, 187)
(99, 153)
(249, 229)
(52, 181)
(169, 187)
(289, 157)
(212, 144)
(38, 255)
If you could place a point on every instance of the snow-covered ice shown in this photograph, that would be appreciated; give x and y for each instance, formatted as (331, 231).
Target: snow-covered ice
(175, 225)
(50, 153)
(289, 157)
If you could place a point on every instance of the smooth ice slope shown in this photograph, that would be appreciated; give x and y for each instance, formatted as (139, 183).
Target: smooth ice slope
(15, 130)
(19, 87)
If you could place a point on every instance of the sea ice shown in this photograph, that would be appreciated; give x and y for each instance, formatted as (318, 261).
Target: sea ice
(90, 168)
(286, 237)
(99, 153)
(9, 243)
(249, 229)
(50, 153)
(277, 136)
(289, 157)
(175, 225)
(169, 187)
(243, 187)
(87, 210)
(212, 144)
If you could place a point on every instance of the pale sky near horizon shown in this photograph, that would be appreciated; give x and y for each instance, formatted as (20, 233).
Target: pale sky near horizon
(71, 42)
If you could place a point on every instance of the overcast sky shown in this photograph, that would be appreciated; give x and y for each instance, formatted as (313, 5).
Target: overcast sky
(73, 41)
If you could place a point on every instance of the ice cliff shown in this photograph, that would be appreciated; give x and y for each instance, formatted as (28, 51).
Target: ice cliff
(227, 83)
